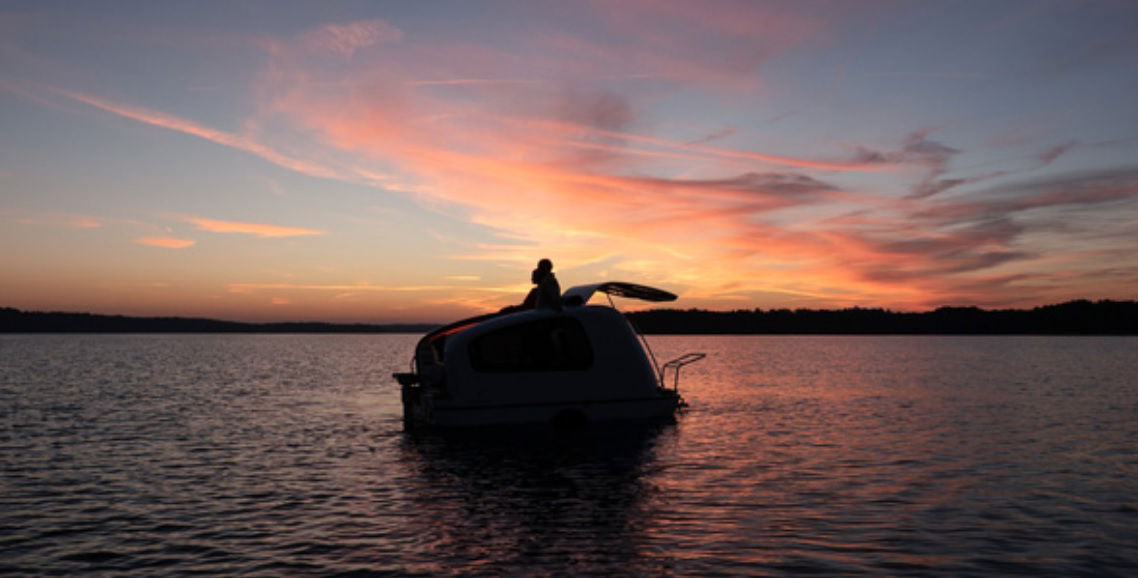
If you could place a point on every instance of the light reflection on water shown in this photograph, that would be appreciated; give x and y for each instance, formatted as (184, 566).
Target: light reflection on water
(284, 455)
(503, 502)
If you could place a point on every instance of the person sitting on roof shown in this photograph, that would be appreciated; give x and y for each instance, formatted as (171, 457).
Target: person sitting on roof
(548, 290)
(546, 293)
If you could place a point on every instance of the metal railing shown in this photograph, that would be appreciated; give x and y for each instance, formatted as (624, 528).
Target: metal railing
(676, 365)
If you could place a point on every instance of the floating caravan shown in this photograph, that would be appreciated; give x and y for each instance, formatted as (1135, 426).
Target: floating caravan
(583, 363)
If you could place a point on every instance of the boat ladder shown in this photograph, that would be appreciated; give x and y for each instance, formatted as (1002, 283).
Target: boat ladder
(676, 365)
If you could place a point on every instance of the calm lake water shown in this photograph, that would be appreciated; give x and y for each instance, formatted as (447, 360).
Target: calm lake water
(284, 455)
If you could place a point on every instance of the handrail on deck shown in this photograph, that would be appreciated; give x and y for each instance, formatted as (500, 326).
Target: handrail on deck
(676, 365)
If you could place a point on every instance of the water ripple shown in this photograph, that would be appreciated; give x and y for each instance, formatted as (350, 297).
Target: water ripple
(284, 455)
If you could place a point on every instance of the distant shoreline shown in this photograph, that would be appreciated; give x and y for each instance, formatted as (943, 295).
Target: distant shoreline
(1080, 317)
(16, 321)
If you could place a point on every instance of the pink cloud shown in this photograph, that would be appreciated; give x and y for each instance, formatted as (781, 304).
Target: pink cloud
(523, 171)
(165, 242)
(574, 172)
(255, 229)
(338, 288)
(67, 220)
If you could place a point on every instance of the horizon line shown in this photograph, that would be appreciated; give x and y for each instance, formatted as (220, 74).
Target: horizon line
(438, 323)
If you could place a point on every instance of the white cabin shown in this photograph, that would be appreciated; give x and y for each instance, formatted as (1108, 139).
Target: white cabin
(581, 364)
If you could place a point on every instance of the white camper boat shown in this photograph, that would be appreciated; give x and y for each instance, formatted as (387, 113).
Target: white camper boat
(581, 364)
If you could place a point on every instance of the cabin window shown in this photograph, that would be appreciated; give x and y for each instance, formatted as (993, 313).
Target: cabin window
(557, 344)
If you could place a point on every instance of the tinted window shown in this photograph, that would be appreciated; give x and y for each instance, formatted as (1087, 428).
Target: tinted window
(556, 344)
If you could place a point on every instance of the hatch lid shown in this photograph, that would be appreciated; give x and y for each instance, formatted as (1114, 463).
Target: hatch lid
(581, 294)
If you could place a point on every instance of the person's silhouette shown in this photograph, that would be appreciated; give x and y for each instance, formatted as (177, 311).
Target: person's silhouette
(548, 290)
(546, 293)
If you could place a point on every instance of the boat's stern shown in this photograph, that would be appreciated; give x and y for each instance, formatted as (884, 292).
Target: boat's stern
(411, 394)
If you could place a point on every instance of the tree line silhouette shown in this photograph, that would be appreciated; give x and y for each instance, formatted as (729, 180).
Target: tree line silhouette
(1080, 317)
(16, 321)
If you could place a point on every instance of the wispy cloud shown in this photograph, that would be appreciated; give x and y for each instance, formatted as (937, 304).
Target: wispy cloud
(918, 150)
(170, 122)
(1050, 155)
(67, 220)
(577, 133)
(716, 135)
(347, 38)
(975, 248)
(1078, 188)
(353, 287)
(165, 242)
(255, 229)
(470, 81)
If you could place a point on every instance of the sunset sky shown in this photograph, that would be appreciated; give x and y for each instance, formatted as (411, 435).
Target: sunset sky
(411, 161)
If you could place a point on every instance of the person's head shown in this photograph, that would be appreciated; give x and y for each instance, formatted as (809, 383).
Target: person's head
(544, 267)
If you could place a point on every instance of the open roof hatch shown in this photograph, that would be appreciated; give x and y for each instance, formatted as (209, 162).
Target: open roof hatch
(581, 294)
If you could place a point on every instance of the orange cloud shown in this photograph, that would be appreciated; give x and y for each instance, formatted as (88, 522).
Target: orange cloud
(67, 220)
(255, 229)
(515, 176)
(360, 287)
(720, 238)
(511, 178)
(165, 242)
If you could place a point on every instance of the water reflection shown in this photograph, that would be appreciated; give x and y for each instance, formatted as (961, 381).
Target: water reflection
(277, 455)
(525, 498)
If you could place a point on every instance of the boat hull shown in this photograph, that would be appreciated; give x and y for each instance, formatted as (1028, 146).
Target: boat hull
(423, 410)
